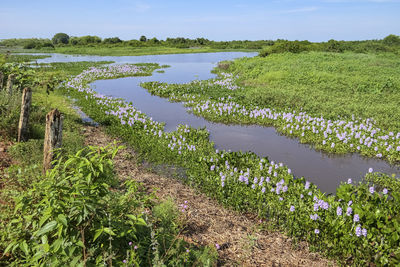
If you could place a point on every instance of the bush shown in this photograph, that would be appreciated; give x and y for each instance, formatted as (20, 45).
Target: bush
(71, 217)
(60, 38)
(30, 45)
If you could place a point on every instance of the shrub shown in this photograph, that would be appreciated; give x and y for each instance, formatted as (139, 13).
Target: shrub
(60, 38)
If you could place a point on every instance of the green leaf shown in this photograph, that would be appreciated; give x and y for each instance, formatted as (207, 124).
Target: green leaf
(24, 247)
(47, 228)
(141, 222)
(97, 234)
(80, 243)
(56, 245)
(8, 248)
(132, 217)
(108, 231)
(44, 219)
(62, 219)
(75, 261)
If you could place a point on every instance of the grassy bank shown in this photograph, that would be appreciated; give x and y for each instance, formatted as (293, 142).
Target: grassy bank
(125, 50)
(329, 84)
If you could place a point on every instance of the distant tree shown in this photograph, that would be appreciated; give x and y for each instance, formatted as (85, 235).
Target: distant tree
(154, 40)
(30, 45)
(143, 38)
(334, 46)
(112, 40)
(391, 40)
(60, 38)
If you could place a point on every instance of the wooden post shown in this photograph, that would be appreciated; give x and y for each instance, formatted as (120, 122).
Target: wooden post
(52, 137)
(24, 116)
(1, 80)
(10, 83)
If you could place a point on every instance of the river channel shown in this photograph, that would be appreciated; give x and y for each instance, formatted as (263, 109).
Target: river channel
(325, 170)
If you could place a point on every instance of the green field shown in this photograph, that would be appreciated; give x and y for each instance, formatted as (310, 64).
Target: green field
(329, 84)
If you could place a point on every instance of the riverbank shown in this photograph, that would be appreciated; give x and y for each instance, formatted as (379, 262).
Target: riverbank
(123, 51)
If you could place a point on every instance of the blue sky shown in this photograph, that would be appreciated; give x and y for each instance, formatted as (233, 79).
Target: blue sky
(314, 20)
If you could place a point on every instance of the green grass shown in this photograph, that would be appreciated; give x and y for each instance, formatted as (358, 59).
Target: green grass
(124, 51)
(328, 84)
(71, 68)
(24, 58)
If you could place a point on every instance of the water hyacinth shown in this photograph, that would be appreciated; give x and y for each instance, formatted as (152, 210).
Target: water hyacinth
(371, 189)
(358, 231)
(341, 134)
(339, 211)
(349, 211)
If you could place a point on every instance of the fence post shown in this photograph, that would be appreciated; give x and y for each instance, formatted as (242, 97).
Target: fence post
(52, 138)
(24, 116)
(1, 80)
(10, 83)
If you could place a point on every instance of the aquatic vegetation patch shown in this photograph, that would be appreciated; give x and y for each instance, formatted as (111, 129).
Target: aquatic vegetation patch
(356, 135)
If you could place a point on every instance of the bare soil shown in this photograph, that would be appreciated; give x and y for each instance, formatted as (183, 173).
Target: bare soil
(242, 239)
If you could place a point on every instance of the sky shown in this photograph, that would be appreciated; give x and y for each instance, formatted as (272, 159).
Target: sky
(219, 20)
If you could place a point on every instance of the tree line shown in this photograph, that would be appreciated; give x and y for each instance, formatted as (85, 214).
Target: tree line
(390, 43)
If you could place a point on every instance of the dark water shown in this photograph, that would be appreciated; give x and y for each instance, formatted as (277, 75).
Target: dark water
(327, 171)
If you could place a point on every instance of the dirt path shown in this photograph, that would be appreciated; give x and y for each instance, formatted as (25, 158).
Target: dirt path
(240, 238)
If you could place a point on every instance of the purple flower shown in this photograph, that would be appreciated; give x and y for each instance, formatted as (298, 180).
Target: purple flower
(385, 191)
(307, 185)
(135, 247)
(316, 231)
(263, 190)
(291, 208)
(349, 181)
(124, 261)
(301, 196)
(350, 202)
(371, 189)
(130, 243)
(370, 170)
(356, 218)
(358, 231)
(314, 217)
(217, 246)
(349, 211)
(364, 232)
(339, 211)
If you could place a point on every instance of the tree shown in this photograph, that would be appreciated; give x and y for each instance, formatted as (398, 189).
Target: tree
(391, 40)
(143, 38)
(60, 38)
(112, 40)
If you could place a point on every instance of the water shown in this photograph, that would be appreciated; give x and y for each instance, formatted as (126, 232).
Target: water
(327, 171)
